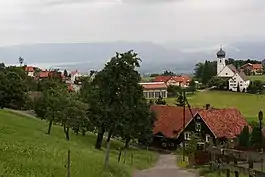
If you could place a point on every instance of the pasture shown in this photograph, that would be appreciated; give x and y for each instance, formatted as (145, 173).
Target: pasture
(248, 104)
(26, 150)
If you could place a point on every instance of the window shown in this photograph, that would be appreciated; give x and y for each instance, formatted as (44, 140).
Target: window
(151, 95)
(226, 73)
(187, 135)
(145, 94)
(241, 81)
(157, 94)
(198, 126)
(163, 94)
(207, 138)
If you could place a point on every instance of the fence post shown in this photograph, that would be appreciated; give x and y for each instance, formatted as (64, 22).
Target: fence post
(250, 166)
(132, 159)
(119, 158)
(68, 164)
(261, 165)
(236, 172)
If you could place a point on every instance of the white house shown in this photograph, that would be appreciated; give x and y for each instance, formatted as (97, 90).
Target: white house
(153, 90)
(74, 75)
(235, 77)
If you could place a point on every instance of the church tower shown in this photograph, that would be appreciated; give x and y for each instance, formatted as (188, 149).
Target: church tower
(220, 60)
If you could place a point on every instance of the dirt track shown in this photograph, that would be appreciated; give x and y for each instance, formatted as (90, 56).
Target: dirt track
(165, 167)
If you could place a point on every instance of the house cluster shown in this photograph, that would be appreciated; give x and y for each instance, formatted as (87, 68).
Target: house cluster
(256, 69)
(158, 87)
(72, 79)
(236, 77)
(216, 126)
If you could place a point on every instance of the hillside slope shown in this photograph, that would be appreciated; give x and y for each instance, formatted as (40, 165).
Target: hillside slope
(25, 150)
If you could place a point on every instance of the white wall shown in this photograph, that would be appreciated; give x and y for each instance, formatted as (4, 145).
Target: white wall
(226, 72)
(220, 65)
(235, 80)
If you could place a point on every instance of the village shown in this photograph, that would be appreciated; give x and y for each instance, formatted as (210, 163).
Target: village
(180, 124)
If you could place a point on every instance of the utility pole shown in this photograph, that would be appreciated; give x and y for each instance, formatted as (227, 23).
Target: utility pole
(184, 117)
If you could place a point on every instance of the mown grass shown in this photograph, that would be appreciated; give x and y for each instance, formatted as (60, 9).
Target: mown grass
(27, 151)
(257, 77)
(248, 104)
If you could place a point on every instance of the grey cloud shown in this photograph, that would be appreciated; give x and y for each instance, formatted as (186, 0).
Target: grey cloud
(151, 1)
(62, 2)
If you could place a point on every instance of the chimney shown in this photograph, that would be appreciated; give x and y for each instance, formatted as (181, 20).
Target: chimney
(208, 106)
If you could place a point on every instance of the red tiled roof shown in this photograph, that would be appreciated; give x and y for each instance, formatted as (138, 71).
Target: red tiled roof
(162, 78)
(224, 123)
(170, 119)
(43, 74)
(154, 85)
(227, 123)
(253, 66)
(29, 69)
(257, 66)
(183, 79)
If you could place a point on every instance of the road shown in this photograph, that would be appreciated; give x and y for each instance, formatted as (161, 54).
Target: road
(165, 167)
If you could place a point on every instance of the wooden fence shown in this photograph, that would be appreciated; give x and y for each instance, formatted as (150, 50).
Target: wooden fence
(238, 162)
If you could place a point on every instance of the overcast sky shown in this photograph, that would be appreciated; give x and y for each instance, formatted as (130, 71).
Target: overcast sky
(180, 21)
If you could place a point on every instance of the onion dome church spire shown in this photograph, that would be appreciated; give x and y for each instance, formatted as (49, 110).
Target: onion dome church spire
(221, 53)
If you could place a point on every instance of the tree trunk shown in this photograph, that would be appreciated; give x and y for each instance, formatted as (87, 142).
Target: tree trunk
(50, 127)
(100, 138)
(106, 163)
(127, 141)
(66, 131)
(83, 132)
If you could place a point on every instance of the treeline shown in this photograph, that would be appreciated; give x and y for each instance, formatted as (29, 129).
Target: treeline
(111, 103)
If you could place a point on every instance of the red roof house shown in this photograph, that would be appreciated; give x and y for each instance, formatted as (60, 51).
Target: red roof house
(182, 81)
(29, 69)
(215, 124)
(256, 68)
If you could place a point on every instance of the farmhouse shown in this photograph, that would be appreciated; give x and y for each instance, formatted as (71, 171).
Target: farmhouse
(30, 70)
(213, 125)
(237, 79)
(182, 81)
(153, 90)
(253, 68)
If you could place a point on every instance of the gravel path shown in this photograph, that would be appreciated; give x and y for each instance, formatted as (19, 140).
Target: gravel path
(165, 167)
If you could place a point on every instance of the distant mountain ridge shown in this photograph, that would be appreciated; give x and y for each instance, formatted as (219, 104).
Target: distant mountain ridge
(155, 57)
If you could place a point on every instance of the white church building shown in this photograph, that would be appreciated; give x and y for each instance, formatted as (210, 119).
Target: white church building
(235, 77)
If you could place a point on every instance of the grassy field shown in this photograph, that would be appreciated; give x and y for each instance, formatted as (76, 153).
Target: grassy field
(26, 151)
(248, 104)
(257, 77)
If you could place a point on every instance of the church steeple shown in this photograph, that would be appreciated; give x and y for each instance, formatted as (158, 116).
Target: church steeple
(221, 53)
(220, 60)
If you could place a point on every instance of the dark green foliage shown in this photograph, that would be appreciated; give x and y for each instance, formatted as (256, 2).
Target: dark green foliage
(180, 99)
(192, 86)
(173, 90)
(12, 90)
(256, 136)
(154, 75)
(21, 60)
(205, 71)
(219, 83)
(244, 138)
(151, 102)
(65, 73)
(255, 87)
(161, 101)
(168, 73)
